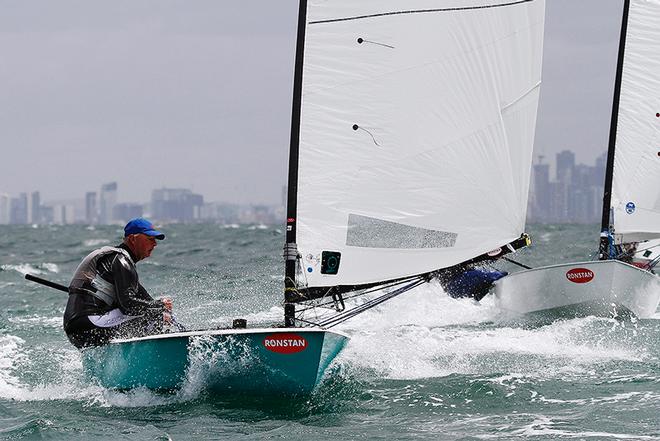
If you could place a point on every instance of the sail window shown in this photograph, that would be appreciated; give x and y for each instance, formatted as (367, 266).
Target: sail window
(370, 232)
(330, 262)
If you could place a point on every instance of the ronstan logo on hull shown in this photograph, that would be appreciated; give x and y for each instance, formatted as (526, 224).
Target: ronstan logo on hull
(285, 343)
(580, 275)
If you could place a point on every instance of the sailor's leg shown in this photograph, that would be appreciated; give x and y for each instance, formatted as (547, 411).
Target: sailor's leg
(82, 333)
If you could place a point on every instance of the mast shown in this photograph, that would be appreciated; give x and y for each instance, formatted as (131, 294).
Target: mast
(290, 249)
(605, 229)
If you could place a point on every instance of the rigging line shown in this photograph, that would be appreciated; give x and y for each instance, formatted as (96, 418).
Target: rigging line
(653, 263)
(365, 306)
(341, 289)
(516, 263)
(361, 309)
(370, 304)
(358, 294)
(649, 248)
(421, 11)
(307, 321)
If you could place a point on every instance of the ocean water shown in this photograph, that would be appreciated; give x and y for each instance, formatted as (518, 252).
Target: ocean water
(422, 366)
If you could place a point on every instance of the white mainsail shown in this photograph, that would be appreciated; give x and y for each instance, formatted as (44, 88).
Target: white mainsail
(636, 177)
(416, 132)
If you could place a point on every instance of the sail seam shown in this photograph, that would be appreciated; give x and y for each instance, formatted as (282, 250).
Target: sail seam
(421, 11)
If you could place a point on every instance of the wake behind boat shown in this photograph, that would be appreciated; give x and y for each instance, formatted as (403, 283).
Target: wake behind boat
(624, 279)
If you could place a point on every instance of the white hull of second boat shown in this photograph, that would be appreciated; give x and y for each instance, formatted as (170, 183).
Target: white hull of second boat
(607, 287)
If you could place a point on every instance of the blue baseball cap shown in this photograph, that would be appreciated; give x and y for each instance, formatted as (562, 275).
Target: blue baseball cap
(140, 225)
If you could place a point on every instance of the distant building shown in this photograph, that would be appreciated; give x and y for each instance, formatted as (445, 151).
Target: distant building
(565, 166)
(34, 208)
(575, 195)
(108, 200)
(176, 205)
(47, 214)
(5, 206)
(539, 211)
(219, 212)
(91, 209)
(63, 214)
(19, 210)
(126, 212)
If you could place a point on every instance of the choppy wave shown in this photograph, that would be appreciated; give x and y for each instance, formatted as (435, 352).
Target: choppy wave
(544, 426)
(26, 268)
(258, 227)
(95, 242)
(37, 321)
(10, 353)
(15, 355)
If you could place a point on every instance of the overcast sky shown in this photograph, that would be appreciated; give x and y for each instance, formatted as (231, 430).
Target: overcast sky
(197, 94)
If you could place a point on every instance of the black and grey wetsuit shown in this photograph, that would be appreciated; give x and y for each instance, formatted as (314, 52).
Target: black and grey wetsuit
(106, 300)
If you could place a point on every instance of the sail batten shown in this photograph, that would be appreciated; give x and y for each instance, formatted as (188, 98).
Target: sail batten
(415, 135)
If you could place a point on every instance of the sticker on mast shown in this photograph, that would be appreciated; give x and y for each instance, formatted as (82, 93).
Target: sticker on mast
(285, 343)
(580, 275)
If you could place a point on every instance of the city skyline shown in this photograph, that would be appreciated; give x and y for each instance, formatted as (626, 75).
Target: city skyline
(570, 192)
(152, 94)
(563, 191)
(178, 205)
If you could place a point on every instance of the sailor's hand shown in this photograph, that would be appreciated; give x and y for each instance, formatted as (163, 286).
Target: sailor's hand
(167, 318)
(167, 303)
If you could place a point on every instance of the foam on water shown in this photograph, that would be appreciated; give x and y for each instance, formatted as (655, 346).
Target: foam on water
(10, 354)
(95, 242)
(53, 268)
(547, 427)
(36, 320)
(621, 397)
(14, 354)
(26, 268)
(427, 334)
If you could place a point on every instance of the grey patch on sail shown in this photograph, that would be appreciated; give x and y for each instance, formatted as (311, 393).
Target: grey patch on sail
(370, 232)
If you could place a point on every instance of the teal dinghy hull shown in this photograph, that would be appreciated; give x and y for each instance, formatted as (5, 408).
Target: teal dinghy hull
(265, 360)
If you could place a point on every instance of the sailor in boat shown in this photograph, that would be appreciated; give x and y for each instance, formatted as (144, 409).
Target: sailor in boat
(626, 252)
(468, 280)
(106, 299)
